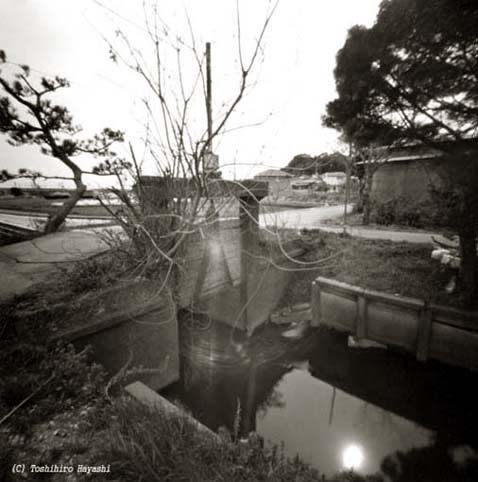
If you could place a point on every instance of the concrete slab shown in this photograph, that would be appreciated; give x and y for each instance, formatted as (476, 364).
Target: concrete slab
(29, 262)
(151, 399)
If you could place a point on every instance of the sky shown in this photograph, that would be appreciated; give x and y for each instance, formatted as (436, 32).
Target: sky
(279, 116)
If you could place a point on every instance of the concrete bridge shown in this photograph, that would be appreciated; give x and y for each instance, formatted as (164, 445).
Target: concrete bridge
(223, 255)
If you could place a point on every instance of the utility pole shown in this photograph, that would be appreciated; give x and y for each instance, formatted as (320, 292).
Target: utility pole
(348, 168)
(209, 92)
(211, 161)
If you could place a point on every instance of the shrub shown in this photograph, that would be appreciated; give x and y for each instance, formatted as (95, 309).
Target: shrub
(403, 212)
(16, 191)
(384, 213)
(95, 273)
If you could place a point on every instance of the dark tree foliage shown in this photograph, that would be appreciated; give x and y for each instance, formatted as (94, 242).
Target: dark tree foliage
(413, 75)
(413, 78)
(305, 164)
(29, 116)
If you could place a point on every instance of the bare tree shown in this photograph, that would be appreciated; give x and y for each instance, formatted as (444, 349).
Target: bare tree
(180, 145)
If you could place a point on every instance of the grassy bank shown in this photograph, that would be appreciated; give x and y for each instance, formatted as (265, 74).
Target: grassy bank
(397, 268)
(355, 219)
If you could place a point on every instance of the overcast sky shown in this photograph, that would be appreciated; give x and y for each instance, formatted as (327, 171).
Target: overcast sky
(292, 82)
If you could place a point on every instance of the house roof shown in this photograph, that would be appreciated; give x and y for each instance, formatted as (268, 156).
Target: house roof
(393, 158)
(307, 182)
(419, 151)
(273, 173)
(334, 174)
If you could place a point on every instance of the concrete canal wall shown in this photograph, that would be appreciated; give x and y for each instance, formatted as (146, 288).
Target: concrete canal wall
(153, 400)
(212, 261)
(231, 279)
(430, 331)
(130, 327)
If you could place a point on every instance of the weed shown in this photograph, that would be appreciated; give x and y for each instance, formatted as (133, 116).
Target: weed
(381, 265)
(146, 444)
(61, 378)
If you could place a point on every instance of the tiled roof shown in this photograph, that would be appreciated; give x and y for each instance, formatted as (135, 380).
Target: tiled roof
(273, 173)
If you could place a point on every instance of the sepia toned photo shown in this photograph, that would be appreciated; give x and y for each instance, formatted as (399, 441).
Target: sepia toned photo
(239, 240)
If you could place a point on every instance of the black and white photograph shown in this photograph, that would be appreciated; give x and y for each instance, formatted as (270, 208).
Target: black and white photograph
(239, 240)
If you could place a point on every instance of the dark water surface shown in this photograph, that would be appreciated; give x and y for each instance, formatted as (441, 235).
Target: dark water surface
(337, 407)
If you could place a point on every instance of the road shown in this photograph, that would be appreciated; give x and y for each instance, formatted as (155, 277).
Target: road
(300, 218)
(313, 218)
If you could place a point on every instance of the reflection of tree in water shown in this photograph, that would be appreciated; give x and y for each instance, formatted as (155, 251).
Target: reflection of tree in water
(216, 378)
(430, 464)
(213, 395)
(435, 396)
(274, 400)
(212, 391)
(377, 420)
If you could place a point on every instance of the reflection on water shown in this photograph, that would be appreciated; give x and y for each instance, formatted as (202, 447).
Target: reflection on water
(334, 430)
(338, 408)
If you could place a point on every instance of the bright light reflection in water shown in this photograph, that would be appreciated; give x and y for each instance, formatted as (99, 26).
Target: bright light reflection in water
(352, 457)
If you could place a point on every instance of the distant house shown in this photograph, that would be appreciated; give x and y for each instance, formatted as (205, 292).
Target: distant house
(303, 185)
(280, 182)
(306, 184)
(335, 181)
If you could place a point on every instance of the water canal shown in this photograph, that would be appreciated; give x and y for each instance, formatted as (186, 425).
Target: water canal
(339, 408)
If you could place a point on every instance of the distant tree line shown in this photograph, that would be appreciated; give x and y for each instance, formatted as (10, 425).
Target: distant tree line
(307, 165)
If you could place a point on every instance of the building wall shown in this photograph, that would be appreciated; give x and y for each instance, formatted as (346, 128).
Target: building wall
(408, 179)
(278, 187)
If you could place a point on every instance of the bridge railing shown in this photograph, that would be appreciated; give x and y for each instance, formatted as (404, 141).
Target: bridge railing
(427, 330)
